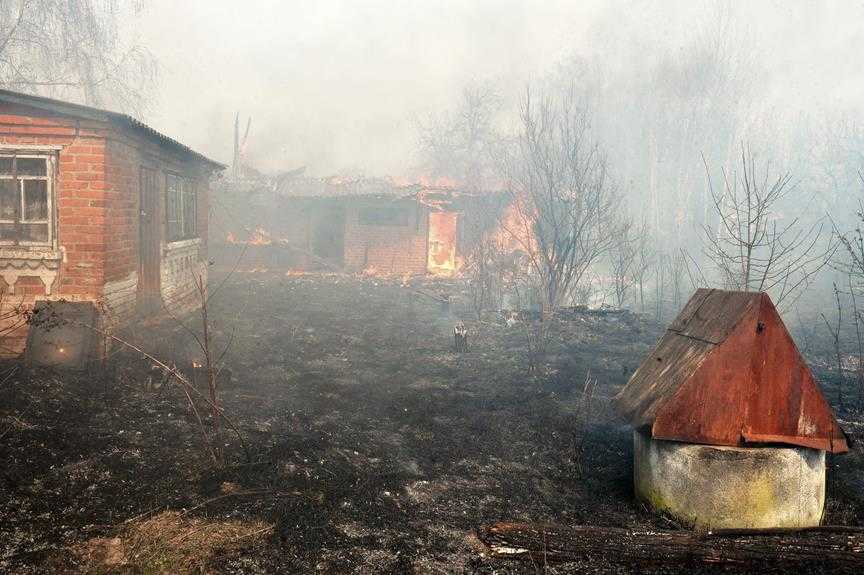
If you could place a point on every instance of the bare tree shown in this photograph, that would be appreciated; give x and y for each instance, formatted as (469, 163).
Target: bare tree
(48, 318)
(457, 144)
(834, 330)
(624, 259)
(73, 49)
(752, 247)
(678, 268)
(836, 150)
(660, 279)
(567, 209)
(859, 339)
(490, 263)
(646, 255)
(208, 359)
(850, 261)
(694, 97)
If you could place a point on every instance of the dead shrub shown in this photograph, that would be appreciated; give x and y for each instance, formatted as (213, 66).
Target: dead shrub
(169, 542)
(584, 413)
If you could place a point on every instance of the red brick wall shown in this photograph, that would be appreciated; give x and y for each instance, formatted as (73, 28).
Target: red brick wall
(296, 222)
(80, 225)
(96, 191)
(81, 193)
(79, 189)
(385, 249)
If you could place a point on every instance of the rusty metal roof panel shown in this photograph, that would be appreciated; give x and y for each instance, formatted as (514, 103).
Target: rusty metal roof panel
(728, 373)
(712, 314)
(661, 374)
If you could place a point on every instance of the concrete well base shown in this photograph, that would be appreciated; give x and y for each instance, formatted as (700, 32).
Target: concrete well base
(730, 487)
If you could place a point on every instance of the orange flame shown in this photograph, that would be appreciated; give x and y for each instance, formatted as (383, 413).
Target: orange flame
(425, 181)
(442, 258)
(258, 237)
(515, 230)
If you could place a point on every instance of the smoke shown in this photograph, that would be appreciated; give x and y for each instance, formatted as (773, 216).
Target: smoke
(336, 85)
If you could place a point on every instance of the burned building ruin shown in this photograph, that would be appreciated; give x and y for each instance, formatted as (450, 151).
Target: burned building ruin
(369, 225)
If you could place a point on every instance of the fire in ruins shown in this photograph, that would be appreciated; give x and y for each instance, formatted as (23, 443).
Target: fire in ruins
(480, 290)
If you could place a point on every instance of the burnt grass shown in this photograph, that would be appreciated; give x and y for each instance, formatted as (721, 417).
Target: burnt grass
(372, 446)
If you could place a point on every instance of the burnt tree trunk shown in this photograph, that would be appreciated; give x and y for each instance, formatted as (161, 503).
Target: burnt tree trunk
(835, 547)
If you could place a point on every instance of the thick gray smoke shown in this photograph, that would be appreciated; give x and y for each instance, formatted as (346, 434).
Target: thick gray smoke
(336, 85)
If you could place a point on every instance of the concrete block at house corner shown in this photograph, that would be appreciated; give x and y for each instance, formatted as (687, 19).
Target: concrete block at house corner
(724, 487)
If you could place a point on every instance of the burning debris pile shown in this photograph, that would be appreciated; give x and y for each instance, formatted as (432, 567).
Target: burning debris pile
(257, 237)
(369, 225)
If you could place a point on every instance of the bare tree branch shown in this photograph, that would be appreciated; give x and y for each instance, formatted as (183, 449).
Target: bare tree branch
(567, 208)
(750, 246)
(73, 49)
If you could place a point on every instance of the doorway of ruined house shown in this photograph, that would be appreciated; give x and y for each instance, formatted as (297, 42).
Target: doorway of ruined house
(328, 234)
(148, 241)
(443, 227)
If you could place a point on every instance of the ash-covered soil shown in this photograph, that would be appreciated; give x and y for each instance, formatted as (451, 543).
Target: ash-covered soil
(373, 447)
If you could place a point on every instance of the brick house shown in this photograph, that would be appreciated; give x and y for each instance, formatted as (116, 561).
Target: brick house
(356, 224)
(96, 206)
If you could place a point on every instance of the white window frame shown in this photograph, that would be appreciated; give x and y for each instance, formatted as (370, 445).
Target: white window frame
(49, 154)
(185, 186)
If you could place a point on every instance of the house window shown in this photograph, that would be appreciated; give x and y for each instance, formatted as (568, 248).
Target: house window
(26, 203)
(181, 208)
(385, 216)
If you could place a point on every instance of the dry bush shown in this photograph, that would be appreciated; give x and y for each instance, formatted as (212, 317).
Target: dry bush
(169, 542)
(584, 413)
(485, 275)
(537, 331)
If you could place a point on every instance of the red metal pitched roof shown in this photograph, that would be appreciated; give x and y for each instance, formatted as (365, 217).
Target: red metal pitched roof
(728, 373)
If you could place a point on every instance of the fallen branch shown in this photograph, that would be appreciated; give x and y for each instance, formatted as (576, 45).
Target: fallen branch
(839, 547)
(206, 437)
(18, 419)
(240, 494)
(434, 297)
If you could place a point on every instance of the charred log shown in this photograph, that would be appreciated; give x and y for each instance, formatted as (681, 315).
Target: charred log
(838, 547)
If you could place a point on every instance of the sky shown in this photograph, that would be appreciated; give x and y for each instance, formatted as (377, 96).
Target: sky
(338, 85)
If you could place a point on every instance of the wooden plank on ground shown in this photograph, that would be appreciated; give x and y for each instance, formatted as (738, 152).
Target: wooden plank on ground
(839, 547)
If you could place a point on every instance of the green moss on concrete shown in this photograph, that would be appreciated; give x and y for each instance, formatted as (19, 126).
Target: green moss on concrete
(724, 487)
(759, 502)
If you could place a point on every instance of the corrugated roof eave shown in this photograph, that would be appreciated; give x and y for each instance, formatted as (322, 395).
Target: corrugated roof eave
(100, 115)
